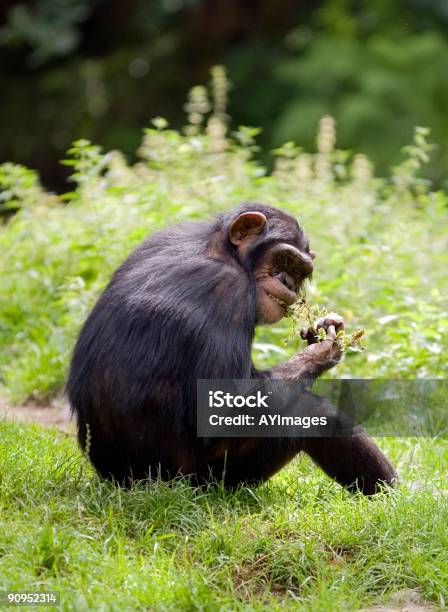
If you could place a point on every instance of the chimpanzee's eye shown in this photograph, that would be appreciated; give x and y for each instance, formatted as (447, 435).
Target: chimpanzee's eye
(281, 262)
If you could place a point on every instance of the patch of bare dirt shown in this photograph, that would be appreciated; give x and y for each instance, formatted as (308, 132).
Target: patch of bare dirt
(55, 414)
(407, 600)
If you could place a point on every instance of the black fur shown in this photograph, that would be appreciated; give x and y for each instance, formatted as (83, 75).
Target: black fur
(183, 307)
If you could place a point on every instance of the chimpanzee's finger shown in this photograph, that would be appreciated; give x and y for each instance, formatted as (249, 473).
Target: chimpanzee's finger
(335, 319)
(331, 319)
(331, 332)
(309, 334)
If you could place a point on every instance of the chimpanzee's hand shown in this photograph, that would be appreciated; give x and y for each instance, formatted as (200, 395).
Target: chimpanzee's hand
(331, 320)
(328, 351)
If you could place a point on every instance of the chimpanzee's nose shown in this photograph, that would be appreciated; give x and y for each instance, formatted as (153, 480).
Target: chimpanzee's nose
(287, 280)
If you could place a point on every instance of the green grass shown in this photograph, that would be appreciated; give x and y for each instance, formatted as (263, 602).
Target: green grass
(299, 541)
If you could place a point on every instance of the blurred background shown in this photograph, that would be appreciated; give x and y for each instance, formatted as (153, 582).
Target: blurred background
(100, 70)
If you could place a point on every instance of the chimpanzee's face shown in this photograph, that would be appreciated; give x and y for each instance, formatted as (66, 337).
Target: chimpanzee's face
(280, 259)
(279, 275)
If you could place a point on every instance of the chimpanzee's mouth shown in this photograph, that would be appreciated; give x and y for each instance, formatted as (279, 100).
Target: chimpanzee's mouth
(279, 301)
(283, 303)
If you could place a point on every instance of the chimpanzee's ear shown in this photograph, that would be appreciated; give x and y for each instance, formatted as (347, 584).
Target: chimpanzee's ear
(245, 225)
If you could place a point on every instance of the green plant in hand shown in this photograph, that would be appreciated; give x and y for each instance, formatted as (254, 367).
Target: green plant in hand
(305, 324)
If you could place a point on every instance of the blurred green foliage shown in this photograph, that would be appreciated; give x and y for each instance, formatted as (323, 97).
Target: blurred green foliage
(375, 88)
(87, 68)
(382, 244)
(48, 28)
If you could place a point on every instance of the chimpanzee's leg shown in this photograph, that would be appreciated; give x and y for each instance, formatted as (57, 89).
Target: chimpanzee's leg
(255, 460)
(349, 456)
(353, 460)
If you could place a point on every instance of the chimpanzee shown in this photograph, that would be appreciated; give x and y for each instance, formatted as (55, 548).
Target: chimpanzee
(183, 307)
